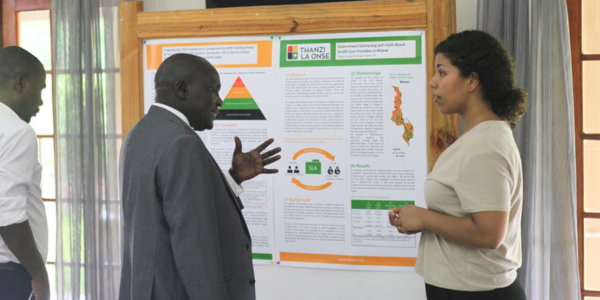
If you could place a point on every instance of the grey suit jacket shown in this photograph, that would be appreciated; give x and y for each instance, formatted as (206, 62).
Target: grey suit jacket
(183, 233)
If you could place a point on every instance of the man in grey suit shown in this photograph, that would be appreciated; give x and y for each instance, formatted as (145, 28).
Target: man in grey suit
(183, 233)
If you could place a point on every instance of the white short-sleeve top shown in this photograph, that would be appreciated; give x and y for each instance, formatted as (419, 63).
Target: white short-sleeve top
(481, 171)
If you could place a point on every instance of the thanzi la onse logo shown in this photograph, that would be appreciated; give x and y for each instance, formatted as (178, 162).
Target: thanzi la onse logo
(309, 52)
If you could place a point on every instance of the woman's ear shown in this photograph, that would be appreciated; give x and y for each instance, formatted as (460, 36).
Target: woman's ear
(473, 81)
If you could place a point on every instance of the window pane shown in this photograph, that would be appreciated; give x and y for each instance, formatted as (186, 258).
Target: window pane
(51, 215)
(591, 176)
(43, 122)
(51, 269)
(591, 259)
(34, 35)
(46, 157)
(591, 298)
(591, 96)
(590, 26)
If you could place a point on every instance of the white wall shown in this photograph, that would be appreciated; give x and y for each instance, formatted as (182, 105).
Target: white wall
(162, 5)
(284, 283)
(466, 15)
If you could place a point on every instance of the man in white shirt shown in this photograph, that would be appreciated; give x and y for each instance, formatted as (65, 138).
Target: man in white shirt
(23, 224)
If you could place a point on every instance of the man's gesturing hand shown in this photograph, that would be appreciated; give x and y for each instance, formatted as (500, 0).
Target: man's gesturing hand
(248, 165)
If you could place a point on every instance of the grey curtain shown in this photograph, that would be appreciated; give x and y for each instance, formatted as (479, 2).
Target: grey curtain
(536, 32)
(86, 59)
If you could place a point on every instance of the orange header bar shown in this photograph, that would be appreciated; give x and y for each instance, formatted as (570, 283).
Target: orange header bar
(348, 259)
(154, 53)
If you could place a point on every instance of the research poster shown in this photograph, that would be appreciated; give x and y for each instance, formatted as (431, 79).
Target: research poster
(245, 66)
(353, 135)
(349, 111)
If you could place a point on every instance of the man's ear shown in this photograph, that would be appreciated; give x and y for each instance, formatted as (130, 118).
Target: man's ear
(473, 81)
(181, 89)
(19, 83)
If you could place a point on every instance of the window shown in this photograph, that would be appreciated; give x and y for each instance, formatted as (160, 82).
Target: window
(27, 24)
(584, 19)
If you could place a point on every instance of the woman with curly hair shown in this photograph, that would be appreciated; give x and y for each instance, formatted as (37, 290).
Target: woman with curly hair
(471, 229)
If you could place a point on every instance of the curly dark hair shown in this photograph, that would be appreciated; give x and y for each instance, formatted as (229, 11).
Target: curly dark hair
(479, 52)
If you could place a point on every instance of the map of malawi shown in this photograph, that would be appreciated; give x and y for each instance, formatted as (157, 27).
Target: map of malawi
(398, 118)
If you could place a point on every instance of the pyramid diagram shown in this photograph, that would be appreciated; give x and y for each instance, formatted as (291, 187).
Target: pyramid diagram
(239, 104)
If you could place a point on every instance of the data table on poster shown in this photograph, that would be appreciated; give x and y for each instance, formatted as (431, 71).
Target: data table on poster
(371, 226)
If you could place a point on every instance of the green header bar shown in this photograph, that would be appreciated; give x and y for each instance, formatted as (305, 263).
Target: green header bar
(333, 62)
(380, 205)
(262, 256)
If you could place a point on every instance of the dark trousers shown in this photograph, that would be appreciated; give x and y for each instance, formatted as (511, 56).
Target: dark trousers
(15, 282)
(511, 292)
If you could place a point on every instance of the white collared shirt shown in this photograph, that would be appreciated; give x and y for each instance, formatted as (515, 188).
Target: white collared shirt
(20, 178)
(235, 187)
